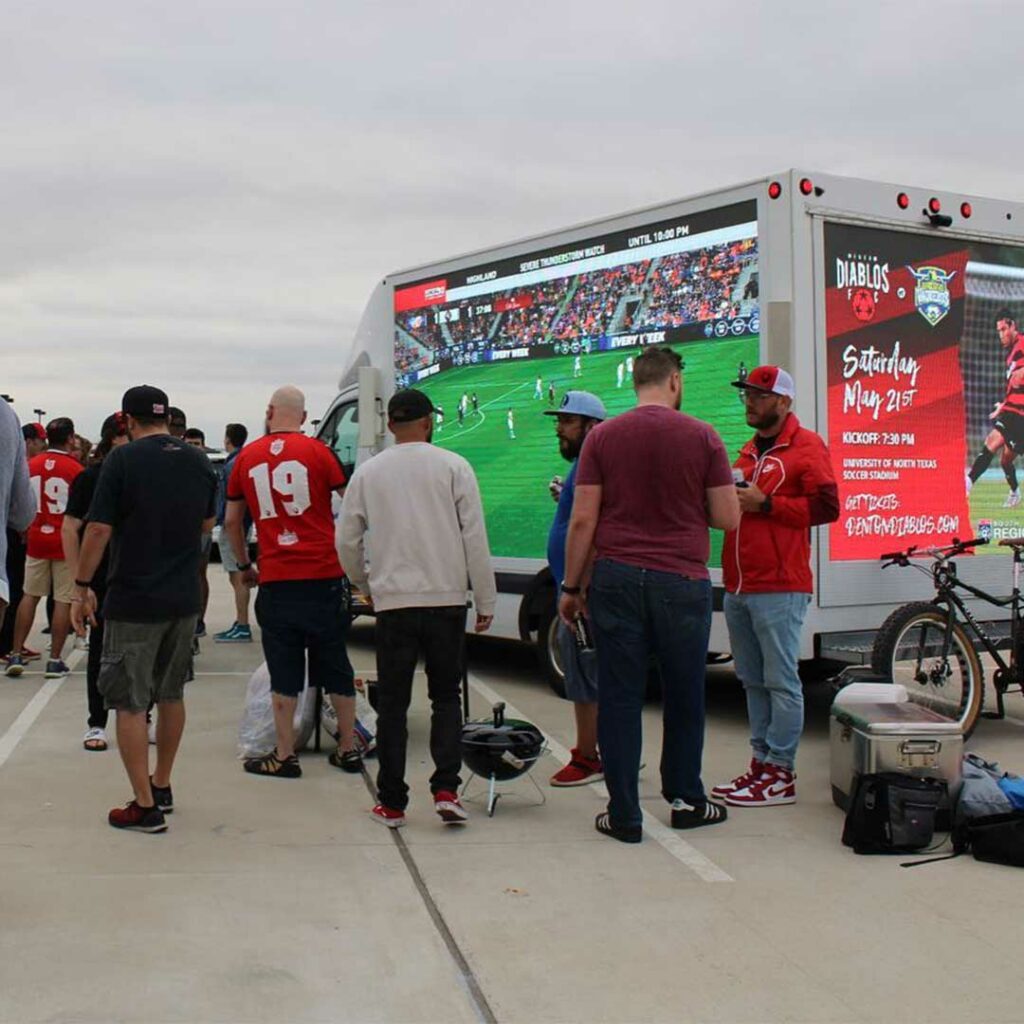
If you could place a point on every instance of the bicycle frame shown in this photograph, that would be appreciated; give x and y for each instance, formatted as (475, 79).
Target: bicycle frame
(946, 584)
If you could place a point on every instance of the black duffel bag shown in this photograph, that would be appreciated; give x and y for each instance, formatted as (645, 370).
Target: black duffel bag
(994, 838)
(891, 812)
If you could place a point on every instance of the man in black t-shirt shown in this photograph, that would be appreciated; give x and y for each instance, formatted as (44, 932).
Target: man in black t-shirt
(154, 500)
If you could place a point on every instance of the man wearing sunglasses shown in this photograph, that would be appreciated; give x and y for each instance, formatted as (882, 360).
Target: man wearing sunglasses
(785, 485)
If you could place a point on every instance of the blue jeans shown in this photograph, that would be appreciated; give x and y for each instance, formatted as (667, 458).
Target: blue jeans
(764, 631)
(636, 613)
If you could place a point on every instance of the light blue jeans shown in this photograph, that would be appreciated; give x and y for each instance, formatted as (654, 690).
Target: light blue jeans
(764, 632)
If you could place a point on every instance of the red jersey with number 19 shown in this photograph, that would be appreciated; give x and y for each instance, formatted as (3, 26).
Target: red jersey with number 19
(286, 479)
(51, 474)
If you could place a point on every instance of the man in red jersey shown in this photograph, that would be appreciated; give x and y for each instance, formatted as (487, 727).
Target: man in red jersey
(51, 474)
(1008, 417)
(286, 479)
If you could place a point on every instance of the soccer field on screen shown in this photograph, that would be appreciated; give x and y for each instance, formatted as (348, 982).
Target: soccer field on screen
(514, 472)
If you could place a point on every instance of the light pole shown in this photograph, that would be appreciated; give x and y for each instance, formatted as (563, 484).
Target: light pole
(40, 413)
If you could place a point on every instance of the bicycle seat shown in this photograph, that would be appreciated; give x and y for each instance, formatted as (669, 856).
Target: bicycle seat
(1012, 542)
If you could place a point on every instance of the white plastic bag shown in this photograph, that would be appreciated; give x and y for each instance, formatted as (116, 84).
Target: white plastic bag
(256, 735)
(366, 721)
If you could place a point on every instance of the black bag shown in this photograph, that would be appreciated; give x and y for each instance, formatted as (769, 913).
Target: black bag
(995, 838)
(891, 812)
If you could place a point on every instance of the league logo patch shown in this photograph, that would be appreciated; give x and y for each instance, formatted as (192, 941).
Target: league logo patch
(985, 529)
(50, 463)
(931, 292)
(863, 304)
(276, 447)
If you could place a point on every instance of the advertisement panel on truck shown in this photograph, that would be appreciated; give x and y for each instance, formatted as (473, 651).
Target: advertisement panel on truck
(496, 345)
(925, 379)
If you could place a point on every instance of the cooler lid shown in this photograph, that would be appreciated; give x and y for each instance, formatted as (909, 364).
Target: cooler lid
(887, 719)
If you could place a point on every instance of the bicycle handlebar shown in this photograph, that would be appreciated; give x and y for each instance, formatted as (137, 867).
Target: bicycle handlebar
(902, 558)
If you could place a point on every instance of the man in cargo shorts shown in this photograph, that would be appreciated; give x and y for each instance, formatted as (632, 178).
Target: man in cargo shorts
(579, 412)
(154, 500)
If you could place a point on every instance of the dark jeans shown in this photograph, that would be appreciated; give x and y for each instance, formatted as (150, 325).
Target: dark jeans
(97, 709)
(16, 581)
(636, 613)
(438, 634)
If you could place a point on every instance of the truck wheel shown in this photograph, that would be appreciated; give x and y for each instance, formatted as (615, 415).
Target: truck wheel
(547, 649)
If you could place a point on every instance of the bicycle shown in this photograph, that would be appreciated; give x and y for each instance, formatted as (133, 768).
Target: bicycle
(928, 647)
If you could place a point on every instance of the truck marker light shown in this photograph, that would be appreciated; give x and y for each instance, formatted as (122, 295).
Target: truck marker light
(934, 205)
(965, 210)
(903, 200)
(806, 186)
(774, 190)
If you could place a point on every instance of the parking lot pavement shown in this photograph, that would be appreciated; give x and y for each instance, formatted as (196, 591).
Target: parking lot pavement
(281, 900)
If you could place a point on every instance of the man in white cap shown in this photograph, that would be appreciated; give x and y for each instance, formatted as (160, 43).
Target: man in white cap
(578, 414)
(785, 485)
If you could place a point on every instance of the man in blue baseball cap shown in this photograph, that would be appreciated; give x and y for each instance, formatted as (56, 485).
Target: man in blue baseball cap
(578, 414)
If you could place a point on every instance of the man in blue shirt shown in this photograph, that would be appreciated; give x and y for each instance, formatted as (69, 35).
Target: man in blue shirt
(579, 412)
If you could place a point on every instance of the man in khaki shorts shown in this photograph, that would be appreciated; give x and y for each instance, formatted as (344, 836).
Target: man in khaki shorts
(154, 500)
(46, 570)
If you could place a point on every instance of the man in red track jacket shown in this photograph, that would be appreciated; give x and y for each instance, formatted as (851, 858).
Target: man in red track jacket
(785, 486)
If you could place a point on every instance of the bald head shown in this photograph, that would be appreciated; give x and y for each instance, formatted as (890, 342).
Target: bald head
(287, 409)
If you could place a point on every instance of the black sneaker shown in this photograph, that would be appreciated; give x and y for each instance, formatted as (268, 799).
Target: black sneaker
(624, 833)
(138, 819)
(162, 796)
(200, 630)
(350, 761)
(289, 768)
(686, 815)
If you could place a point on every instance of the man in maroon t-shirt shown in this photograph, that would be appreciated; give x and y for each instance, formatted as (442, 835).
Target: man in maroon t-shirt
(650, 482)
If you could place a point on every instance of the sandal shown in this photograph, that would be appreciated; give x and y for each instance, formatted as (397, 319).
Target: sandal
(95, 739)
(270, 764)
(347, 760)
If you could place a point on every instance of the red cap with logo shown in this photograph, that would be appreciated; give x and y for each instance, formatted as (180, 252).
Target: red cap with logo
(771, 380)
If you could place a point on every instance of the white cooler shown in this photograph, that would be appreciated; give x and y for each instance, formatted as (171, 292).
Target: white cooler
(875, 728)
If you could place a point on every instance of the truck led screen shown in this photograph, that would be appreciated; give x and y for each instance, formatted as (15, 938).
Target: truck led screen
(925, 388)
(496, 344)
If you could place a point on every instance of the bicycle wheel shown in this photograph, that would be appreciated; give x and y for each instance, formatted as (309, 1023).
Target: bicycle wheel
(908, 650)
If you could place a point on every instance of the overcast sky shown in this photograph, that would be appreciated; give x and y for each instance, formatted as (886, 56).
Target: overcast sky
(203, 195)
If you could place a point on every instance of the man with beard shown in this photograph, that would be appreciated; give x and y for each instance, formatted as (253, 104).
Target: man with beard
(578, 414)
(650, 483)
(785, 485)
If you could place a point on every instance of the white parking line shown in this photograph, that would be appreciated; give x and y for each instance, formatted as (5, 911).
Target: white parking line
(704, 868)
(33, 709)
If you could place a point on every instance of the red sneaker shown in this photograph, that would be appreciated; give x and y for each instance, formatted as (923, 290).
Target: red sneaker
(449, 808)
(138, 819)
(775, 785)
(27, 654)
(388, 816)
(741, 781)
(579, 771)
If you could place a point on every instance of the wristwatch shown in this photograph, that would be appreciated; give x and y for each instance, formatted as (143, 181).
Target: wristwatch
(766, 505)
(84, 584)
(571, 591)
(246, 567)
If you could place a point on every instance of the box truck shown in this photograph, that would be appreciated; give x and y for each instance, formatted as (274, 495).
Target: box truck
(887, 303)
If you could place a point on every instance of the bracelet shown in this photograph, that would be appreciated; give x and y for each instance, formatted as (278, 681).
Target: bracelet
(571, 591)
(246, 567)
(84, 584)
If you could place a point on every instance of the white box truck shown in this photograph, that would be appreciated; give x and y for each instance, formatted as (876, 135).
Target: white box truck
(882, 300)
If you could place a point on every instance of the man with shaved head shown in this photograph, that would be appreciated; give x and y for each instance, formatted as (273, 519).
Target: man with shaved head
(286, 480)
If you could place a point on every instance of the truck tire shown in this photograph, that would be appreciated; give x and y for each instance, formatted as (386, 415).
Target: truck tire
(548, 655)
(905, 652)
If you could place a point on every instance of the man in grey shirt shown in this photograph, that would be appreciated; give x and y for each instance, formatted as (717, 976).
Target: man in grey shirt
(17, 506)
(420, 507)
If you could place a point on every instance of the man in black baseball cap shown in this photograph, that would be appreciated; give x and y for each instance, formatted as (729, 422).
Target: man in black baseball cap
(153, 502)
(408, 406)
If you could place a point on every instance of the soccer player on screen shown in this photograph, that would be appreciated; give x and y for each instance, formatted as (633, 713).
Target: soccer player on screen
(438, 418)
(538, 388)
(1008, 417)
(510, 422)
(620, 373)
(577, 366)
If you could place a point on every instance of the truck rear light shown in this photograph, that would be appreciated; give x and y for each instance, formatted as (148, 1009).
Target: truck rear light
(934, 205)
(965, 210)
(806, 186)
(903, 200)
(774, 190)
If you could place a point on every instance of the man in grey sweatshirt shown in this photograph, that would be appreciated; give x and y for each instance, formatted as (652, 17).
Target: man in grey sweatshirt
(17, 505)
(419, 508)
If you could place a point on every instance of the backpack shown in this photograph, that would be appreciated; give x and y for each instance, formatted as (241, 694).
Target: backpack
(995, 838)
(891, 812)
